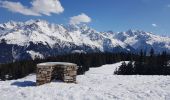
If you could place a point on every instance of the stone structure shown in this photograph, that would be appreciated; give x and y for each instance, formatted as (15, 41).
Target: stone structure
(46, 72)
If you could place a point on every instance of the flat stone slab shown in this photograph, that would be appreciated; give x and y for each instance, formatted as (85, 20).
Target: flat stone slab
(55, 63)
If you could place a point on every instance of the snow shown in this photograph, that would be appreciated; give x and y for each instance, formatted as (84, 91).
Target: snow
(144, 40)
(96, 84)
(35, 55)
(54, 63)
(105, 69)
(78, 51)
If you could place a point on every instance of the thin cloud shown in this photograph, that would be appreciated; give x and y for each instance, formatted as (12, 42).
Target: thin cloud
(168, 6)
(38, 8)
(154, 25)
(82, 18)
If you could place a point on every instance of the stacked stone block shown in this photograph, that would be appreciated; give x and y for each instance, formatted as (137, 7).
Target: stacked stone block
(46, 72)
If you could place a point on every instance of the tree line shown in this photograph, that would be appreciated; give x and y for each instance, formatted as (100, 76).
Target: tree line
(21, 69)
(152, 64)
(142, 64)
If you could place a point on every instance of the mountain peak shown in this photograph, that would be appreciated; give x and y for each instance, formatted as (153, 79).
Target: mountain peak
(38, 21)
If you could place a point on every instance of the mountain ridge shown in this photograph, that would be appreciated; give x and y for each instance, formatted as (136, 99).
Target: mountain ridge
(39, 38)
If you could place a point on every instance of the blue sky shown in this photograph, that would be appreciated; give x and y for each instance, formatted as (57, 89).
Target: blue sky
(102, 15)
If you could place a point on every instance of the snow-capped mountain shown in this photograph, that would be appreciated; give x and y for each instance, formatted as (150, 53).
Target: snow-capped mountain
(143, 40)
(38, 38)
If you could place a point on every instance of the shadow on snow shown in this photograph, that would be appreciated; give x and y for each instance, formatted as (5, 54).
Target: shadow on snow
(24, 83)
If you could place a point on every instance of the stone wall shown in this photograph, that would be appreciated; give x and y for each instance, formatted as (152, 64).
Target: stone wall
(46, 72)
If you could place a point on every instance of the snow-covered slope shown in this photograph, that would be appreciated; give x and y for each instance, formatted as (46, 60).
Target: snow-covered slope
(96, 84)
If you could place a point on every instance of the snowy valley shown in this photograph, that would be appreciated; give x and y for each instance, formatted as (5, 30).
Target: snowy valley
(96, 84)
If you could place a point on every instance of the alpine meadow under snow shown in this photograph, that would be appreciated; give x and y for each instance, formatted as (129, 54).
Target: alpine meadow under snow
(97, 84)
(40, 39)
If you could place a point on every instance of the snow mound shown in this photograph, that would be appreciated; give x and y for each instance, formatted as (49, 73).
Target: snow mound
(96, 84)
